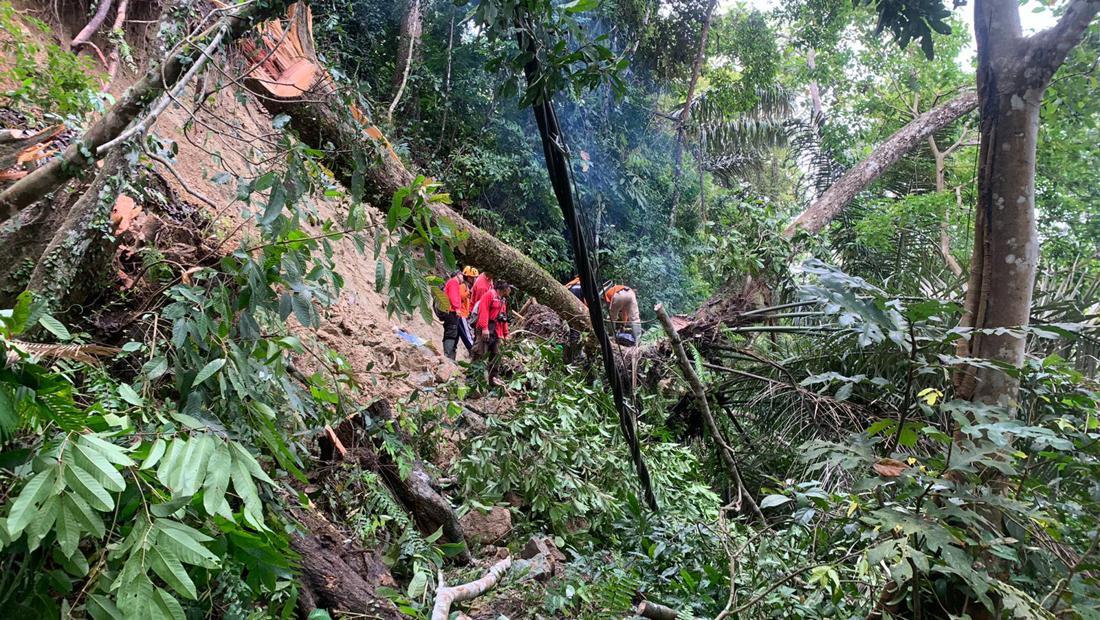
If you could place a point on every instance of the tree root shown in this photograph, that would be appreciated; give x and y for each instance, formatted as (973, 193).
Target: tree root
(446, 596)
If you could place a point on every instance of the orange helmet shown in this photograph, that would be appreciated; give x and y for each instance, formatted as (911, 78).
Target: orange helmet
(470, 271)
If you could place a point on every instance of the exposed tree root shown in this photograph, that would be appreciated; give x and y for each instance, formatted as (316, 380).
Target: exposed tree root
(115, 57)
(448, 595)
(87, 32)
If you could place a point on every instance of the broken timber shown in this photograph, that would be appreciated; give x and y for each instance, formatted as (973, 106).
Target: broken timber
(289, 79)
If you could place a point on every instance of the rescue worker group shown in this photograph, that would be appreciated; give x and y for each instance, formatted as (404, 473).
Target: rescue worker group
(475, 312)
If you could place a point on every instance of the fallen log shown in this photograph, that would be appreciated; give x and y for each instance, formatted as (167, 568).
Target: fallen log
(336, 574)
(140, 97)
(447, 596)
(833, 201)
(725, 451)
(290, 80)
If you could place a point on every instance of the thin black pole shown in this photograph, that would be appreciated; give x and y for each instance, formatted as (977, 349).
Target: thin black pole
(557, 166)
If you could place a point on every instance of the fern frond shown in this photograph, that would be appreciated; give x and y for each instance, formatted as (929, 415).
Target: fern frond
(87, 353)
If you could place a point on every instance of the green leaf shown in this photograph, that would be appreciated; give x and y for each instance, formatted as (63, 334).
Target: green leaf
(67, 527)
(24, 509)
(54, 326)
(246, 490)
(89, 488)
(208, 371)
(169, 568)
(103, 608)
(194, 469)
(111, 452)
(157, 367)
(155, 453)
(185, 542)
(774, 500)
(99, 468)
(129, 395)
(216, 483)
(241, 454)
(89, 519)
(275, 204)
(166, 606)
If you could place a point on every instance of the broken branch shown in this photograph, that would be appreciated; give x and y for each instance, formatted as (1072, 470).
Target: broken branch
(447, 596)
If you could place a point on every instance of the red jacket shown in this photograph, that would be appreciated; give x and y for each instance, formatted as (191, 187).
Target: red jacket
(481, 286)
(453, 289)
(493, 308)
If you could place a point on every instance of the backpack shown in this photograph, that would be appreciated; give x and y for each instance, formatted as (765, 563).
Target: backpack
(441, 305)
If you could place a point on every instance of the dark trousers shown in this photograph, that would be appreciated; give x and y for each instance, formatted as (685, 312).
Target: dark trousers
(488, 349)
(455, 329)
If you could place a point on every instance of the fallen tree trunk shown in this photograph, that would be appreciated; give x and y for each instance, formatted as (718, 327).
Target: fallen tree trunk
(725, 452)
(83, 153)
(447, 596)
(833, 201)
(309, 97)
(337, 575)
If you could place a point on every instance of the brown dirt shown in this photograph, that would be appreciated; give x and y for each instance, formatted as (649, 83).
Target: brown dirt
(231, 134)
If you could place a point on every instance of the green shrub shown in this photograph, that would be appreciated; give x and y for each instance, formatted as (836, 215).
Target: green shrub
(44, 80)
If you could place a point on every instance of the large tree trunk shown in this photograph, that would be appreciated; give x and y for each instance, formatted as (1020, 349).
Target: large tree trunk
(138, 98)
(406, 47)
(82, 241)
(322, 117)
(1013, 73)
(833, 201)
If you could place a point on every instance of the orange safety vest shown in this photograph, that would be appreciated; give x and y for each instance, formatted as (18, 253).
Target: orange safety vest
(614, 290)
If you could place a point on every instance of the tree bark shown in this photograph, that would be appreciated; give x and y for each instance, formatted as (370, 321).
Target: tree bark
(833, 201)
(83, 239)
(685, 113)
(136, 100)
(322, 118)
(338, 575)
(87, 32)
(725, 452)
(1013, 73)
(410, 36)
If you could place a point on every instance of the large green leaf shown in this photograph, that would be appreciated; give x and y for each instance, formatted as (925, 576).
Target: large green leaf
(25, 507)
(68, 528)
(185, 542)
(208, 371)
(88, 488)
(169, 568)
(166, 606)
(193, 469)
(217, 481)
(111, 452)
(98, 466)
(246, 490)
